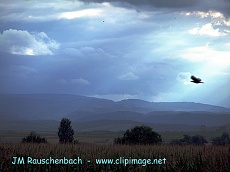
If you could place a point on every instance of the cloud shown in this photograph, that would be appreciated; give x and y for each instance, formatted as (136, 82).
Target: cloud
(115, 97)
(36, 11)
(143, 42)
(72, 52)
(217, 18)
(202, 14)
(91, 50)
(17, 73)
(208, 30)
(154, 3)
(166, 97)
(22, 68)
(221, 73)
(78, 81)
(22, 42)
(184, 77)
(80, 14)
(30, 11)
(20, 71)
(172, 5)
(208, 60)
(206, 54)
(128, 76)
(83, 51)
(62, 81)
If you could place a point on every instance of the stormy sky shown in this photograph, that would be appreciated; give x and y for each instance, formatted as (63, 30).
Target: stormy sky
(117, 49)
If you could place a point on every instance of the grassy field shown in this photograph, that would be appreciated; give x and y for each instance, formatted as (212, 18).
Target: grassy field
(100, 137)
(99, 144)
(178, 158)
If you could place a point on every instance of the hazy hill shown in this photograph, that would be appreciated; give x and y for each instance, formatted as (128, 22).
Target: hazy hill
(35, 108)
(144, 106)
(48, 106)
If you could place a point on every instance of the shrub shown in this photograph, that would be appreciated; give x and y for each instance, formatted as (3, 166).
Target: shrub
(76, 141)
(198, 140)
(187, 140)
(139, 135)
(176, 142)
(33, 138)
(223, 140)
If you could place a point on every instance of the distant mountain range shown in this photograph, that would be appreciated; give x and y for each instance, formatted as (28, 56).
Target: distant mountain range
(33, 108)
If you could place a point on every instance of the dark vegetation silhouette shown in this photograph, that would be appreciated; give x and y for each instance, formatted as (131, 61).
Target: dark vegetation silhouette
(139, 135)
(33, 138)
(65, 131)
(189, 140)
(196, 80)
(224, 139)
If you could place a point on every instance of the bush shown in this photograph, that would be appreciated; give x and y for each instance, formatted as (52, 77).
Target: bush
(139, 135)
(187, 140)
(198, 140)
(223, 140)
(33, 138)
(76, 141)
(176, 142)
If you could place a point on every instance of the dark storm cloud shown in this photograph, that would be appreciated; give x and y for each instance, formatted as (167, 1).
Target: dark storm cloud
(155, 3)
(202, 5)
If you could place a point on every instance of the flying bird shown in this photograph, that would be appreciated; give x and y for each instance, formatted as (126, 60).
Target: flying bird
(196, 80)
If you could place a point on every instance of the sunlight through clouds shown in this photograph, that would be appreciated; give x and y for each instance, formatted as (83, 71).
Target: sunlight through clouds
(207, 55)
(81, 13)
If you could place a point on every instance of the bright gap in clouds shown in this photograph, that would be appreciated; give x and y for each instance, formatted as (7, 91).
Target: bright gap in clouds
(80, 13)
(212, 66)
(215, 59)
(22, 51)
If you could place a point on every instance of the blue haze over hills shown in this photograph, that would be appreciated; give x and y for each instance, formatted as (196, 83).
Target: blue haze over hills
(46, 111)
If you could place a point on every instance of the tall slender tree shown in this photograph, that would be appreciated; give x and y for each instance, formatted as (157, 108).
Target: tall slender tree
(65, 132)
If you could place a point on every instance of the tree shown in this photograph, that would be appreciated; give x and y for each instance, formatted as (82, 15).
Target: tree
(223, 140)
(139, 135)
(65, 132)
(33, 138)
(225, 137)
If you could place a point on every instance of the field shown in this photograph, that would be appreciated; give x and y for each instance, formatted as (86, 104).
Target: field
(99, 144)
(178, 158)
(99, 137)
